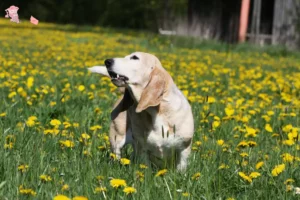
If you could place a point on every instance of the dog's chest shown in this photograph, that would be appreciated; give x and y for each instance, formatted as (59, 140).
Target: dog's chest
(154, 133)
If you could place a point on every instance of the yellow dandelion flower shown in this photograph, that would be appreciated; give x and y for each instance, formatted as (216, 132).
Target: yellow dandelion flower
(220, 142)
(198, 143)
(96, 127)
(85, 136)
(45, 178)
(129, 190)
(101, 147)
(97, 110)
(142, 166)
(211, 100)
(293, 135)
(244, 154)
(223, 166)
(252, 143)
(289, 188)
(252, 112)
(75, 125)
(100, 178)
(80, 198)
(113, 156)
(26, 191)
(287, 128)
(116, 183)
(52, 103)
(245, 177)
(67, 143)
(216, 124)
(286, 157)
(124, 161)
(229, 111)
(288, 142)
(278, 169)
(87, 153)
(12, 94)
(254, 175)
(161, 172)
(100, 189)
(30, 123)
(55, 122)
(266, 118)
(3, 114)
(185, 93)
(259, 165)
(81, 88)
(61, 197)
(251, 132)
(185, 194)
(9, 145)
(67, 125)
(244, 163)
(196, 176)
(65, 187)
(33, 118)
(140, 175)
(30, 82)
(93, 86)
(269, 128)
(243, 144)
(105, 137)
(23, 168)
(288, 181)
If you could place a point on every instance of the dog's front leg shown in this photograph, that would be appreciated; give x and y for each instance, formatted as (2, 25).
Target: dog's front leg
(183, 159)
(118, 142)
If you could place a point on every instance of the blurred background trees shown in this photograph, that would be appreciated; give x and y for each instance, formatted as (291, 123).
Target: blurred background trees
(273, 22)
(136, 14)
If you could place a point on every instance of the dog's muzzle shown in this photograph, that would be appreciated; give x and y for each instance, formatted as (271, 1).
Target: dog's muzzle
(117, 79)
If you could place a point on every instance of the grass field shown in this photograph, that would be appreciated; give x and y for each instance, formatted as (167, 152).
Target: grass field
(54, 119)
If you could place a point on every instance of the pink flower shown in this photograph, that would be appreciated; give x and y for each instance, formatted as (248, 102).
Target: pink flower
(12, 9)
(12, 12)
(34, 20)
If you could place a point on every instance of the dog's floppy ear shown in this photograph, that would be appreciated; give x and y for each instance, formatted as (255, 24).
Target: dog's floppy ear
(99, 70)
(124, 104)
(153, 93)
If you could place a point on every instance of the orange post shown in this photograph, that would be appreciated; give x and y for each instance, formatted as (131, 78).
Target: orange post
(244, 20)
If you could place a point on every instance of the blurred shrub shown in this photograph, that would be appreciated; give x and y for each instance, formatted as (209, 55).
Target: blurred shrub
(136, 14)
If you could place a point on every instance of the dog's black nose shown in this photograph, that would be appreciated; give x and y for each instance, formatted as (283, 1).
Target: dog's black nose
(108, 63)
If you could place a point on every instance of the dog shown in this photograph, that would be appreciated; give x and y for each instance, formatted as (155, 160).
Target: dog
(160, 117)
(119, 133)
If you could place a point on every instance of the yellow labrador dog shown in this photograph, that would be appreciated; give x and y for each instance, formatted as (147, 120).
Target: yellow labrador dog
(160, 117)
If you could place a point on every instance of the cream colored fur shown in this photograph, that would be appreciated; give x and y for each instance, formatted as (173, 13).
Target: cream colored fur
(160, 117)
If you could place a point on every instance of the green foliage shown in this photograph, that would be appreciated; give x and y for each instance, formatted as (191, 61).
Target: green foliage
(138, 14)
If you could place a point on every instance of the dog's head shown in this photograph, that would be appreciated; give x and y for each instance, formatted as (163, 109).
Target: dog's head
(133, 69)
(142, 70)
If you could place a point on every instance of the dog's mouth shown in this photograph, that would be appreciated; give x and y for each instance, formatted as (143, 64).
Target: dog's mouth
(115, 76)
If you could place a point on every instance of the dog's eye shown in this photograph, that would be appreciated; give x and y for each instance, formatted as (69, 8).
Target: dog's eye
(134, 57)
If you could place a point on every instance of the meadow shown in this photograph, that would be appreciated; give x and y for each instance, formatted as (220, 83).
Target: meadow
(54, 119)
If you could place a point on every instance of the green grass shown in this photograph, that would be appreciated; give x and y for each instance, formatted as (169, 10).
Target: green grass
(57, 56)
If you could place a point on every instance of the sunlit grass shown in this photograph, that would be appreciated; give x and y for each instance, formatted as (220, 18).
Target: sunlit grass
(54, 119)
